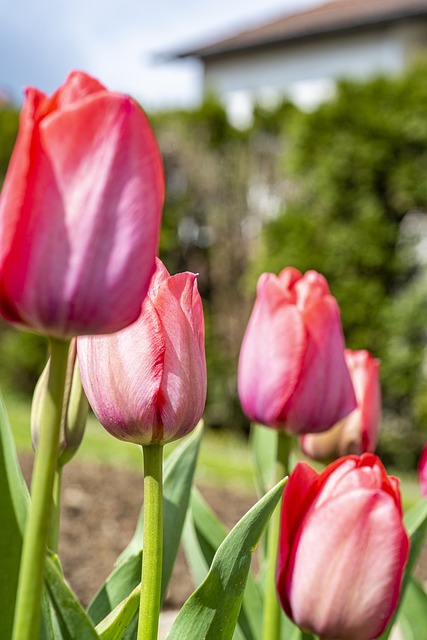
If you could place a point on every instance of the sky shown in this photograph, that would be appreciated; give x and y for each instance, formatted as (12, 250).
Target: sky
(41, 41)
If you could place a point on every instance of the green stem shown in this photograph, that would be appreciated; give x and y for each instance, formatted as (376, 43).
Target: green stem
(53, 539)
(272, 611)
(30, 586)
(149, 609)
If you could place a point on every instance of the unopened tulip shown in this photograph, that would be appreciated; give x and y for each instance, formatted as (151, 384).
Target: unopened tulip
(147, 383)
(342, 548)
(422, 471)
(75, 408)
(358, 432)
(80, 212)
(292, 373)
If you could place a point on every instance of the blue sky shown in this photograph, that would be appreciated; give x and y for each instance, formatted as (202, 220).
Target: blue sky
(41, 41)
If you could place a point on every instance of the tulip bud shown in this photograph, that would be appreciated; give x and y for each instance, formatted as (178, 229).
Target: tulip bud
(80, 212)
(292, 373)
(342, 548)
(74, 409)
(147, 383)
(358, 432)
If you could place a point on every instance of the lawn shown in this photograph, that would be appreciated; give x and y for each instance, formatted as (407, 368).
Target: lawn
(224, 460)
(224, 457)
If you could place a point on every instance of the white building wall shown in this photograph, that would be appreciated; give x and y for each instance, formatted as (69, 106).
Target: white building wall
(243, 77)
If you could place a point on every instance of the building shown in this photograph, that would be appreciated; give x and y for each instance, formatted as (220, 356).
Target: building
(302, 54)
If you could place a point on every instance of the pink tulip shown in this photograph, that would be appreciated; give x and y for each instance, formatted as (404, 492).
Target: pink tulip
(422, 471)
(292, 373)
(358, 432)
(342, 548)
(80, 212)
(147, 383)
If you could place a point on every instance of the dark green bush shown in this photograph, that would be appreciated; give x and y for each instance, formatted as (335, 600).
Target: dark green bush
(342, 190)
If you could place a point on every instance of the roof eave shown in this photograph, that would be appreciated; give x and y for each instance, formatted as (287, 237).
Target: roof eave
(302, 35)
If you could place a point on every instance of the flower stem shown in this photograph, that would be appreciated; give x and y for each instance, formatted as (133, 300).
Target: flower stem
(30, 586)
(272, 611)
(149, 609)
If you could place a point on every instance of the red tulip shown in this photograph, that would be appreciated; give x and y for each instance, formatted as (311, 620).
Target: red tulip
(292, 373)
(342, 548)
(358, 432)
(80, 211)
(422, 471)
(147, 383)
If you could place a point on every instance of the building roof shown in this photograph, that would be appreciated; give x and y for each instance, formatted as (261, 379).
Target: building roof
(332, 17)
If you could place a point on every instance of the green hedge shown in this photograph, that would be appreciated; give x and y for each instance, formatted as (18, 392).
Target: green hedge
(342, 190)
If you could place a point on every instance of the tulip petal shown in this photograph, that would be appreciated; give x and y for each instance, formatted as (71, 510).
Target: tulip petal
(272, 353)
(422, 471)
(122, 375)
(184, 375)
(299, 493)
(80, 212)
(324, 394)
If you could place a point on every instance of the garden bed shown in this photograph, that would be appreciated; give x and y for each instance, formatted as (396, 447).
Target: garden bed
(100, 508)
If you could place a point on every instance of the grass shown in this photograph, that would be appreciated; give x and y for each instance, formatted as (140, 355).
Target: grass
(224, 459)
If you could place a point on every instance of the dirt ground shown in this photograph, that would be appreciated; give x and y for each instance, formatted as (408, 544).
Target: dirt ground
(100, 508)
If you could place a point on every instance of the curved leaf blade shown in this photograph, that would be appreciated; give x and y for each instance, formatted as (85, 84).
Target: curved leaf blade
(178, 479)
(204, 533)
(115, 624)
(73, 619)
(213, 609)
(415, 521)
(14, 501)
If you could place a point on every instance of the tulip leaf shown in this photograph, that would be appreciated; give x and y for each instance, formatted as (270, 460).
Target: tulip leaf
(73, 620)
(264, 450)
(204, 533)
(115, 624)
(120, 583)
(212, 610)
(289, 631)
(415, 521)
(412, 619)
(14, 502)
(50, 627)
(178, 479)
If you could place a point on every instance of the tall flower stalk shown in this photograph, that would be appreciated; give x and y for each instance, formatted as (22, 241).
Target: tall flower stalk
(27, 612)
(272, 612)
(147, 384)
(149, 609)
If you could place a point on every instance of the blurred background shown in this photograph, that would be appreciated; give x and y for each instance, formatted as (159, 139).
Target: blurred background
(296, 136)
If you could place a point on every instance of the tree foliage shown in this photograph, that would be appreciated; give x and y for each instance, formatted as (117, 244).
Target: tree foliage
(356, 213)
(342, 190)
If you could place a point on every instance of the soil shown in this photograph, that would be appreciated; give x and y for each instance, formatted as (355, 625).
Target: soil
(100, 508)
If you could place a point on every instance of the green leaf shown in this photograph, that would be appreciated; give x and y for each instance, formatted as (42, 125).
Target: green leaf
(115, 624)
(74, 621)
(120, 583)
(264, 446)
(178, 479)
(412, 619)
(289, 631)
(203, 535)
(14, 502)
(415, 521)
(213, 609)
(50, 626)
